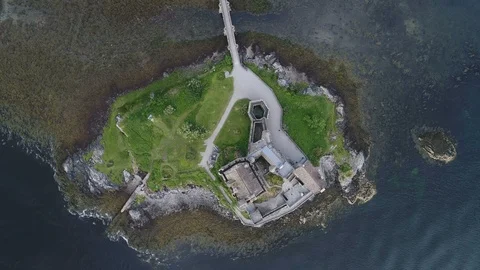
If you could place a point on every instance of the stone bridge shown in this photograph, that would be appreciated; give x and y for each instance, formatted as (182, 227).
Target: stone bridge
(229, 31)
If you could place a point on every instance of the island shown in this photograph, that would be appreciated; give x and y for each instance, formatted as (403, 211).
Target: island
(254, 141)
(434, 144)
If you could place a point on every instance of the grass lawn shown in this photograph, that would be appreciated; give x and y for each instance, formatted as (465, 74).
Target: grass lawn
(164, 127)
(310, 121)
(233, 138)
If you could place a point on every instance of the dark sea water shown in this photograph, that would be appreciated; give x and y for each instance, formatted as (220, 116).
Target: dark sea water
(37, 231)
(424, 217)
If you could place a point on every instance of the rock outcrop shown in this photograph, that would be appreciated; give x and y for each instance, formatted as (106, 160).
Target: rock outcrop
(174, 200)
(82, 172)
(434, 144)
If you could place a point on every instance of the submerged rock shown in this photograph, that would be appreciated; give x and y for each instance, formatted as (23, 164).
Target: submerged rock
(366, 190)
(434, 144)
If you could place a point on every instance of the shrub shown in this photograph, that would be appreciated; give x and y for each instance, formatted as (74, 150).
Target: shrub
(298, 87)
(345, 167)
(220, 76)
(196, 87)
(191, 131)
(316, 123)
(169, 110)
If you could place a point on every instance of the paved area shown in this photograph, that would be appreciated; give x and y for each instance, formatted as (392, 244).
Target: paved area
(247, 85)
(229, 31)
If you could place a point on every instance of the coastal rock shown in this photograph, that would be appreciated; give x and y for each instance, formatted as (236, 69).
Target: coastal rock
(323, 91)
(80, 171)
(357, 162)
(434, 144)
(97, 181)
(341, 110)
(283, 82)
(249, 53)
(138, 217)
(97, 154)
(328, 169)
(270, 58)
(365, 191)
(279, 69)
(174, 200)
(346, 183)
(127, 177)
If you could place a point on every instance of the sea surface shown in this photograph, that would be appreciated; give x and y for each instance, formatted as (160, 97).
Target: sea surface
(425, 216)
(36, 229)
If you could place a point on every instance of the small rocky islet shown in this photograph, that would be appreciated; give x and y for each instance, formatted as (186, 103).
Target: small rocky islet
(435, 144)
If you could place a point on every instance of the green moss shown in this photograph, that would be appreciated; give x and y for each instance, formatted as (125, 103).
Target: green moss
(345, 167)
(309, 120)
(165, 124)
(87, 156)
(233, 138)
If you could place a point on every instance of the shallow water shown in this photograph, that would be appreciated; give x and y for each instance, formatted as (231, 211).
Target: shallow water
(424, 216)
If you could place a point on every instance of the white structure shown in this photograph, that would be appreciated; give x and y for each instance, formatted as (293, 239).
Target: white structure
(229, 31)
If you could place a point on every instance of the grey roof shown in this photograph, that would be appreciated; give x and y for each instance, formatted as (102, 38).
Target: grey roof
(243, 180)
(272, 205)
(271, 157)
(310, 176)
(295, 193)
(285, 170)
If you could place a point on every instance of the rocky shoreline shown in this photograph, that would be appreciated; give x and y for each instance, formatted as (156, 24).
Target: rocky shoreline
(434, 144)
(146, 206)
(355, 187)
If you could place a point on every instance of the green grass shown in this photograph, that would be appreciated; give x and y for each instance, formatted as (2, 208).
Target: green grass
(87, 156)
(345, 167)
(139, 199)
(233, 138)
(309, 120)
(330, 72)
(165, 125)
